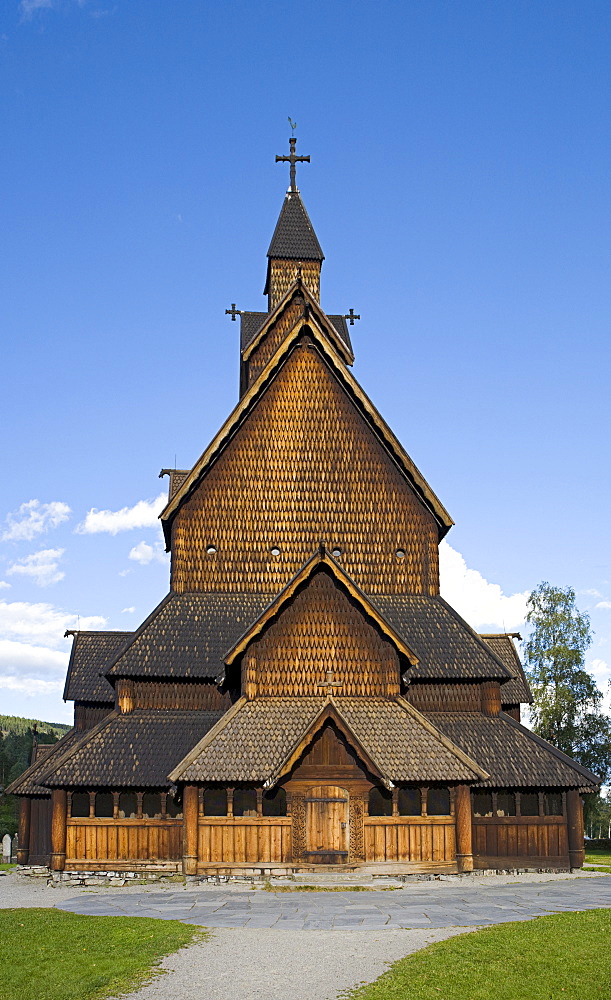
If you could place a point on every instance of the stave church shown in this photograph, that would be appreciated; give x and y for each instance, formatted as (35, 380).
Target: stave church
(303, 696)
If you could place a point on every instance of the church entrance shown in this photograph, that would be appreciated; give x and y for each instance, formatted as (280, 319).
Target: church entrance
(327, 824)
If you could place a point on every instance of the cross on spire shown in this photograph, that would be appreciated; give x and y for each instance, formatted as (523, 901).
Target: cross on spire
(233, 312)
(292, 158)
(351, 316)
(329, 683)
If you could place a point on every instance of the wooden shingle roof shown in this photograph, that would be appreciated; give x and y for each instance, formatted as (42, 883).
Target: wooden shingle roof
(446, 646)
(135, 750)
(91, 656)
(255, 738)
(188, 635)
(294, 237)
(513, 756)
(516, 691)
(251, 323)
(28, 783)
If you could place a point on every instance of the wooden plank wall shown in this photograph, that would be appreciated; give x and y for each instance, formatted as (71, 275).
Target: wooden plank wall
(123, 840)
(238, 839)
(520, 836)
(410, 838)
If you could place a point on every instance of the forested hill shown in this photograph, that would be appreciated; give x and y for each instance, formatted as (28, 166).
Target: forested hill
(16, 740)
(15, 724)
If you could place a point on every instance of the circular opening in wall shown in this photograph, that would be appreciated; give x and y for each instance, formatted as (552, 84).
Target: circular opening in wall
(211, 549)
(275, 551)
(336, 553)
(400, 554)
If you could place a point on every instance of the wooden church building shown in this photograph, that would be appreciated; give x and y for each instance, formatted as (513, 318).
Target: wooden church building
(303, 695)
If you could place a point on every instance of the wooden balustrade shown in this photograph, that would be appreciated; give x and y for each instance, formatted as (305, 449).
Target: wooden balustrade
(410, 838)
(520, 837)
(241, 839)
(123, 840)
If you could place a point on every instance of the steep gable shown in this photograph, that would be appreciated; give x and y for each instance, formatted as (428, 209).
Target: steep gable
(305, 465)
(321, 628)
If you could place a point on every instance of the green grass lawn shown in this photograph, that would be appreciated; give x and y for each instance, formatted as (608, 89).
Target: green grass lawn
(562, 957)
(51, 955)
(599, 857)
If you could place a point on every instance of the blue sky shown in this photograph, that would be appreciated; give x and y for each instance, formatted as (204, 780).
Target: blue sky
(459, 188)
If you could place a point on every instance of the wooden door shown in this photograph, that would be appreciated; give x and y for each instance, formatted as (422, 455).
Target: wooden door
(327, 824)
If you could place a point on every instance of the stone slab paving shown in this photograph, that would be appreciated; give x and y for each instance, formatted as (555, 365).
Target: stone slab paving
(424, 905)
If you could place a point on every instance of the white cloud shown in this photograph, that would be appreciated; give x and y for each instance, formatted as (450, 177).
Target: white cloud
(29, 7)
(591, 592)
(144, 514)
(144, 553)
(34, 518)
(42, 566)
(481, 604)
(42, 623)
(31, 686)
(128, 611)
(603, 604)
(4, 585)
(23, 658)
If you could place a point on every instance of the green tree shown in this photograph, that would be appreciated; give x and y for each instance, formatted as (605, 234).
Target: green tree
(567, 703)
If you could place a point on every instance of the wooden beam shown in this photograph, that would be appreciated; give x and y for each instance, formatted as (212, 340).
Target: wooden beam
(25, 813)
(574, 816)
(59, 800)
(190, 812)
(464, 835)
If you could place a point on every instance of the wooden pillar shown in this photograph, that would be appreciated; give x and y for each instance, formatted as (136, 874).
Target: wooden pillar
(58, 829)
(190, 812)
(464, 829)
(574, 819)
(25, 813)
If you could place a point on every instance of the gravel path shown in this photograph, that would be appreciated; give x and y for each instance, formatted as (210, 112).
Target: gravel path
(283, 965)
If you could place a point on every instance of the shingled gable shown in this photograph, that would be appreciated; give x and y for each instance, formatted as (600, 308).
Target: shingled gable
(249, 400)
(261, 740)
(251, 323)
(517, 690)
(91, 656)
(314, 564)
(29, 782)
(312, 312)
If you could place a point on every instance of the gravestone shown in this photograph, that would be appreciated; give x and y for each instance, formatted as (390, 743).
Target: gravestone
(6, 849)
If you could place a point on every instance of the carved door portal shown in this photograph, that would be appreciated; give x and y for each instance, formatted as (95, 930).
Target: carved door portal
(327, 834)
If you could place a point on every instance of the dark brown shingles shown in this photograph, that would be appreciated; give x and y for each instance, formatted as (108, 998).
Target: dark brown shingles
(136, 750)
(187, 635)
(447, 647)
(91, 656)
(294, 237)
(28, 782)
(258, 736)
(516, 691)
(513, 756)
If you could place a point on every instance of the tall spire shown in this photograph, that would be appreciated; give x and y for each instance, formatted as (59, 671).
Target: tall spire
(294, 243)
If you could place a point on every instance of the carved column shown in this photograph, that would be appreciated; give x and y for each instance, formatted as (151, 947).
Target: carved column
(25, 812)
(464, 829)
(574, 819)
(296, 809)
(58, 829)
(357, 830)
(190, 813)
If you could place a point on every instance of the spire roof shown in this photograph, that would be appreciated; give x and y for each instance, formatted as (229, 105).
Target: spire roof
(294, 237)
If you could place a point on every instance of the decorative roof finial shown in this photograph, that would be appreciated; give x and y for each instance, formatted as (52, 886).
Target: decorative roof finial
(292, 158)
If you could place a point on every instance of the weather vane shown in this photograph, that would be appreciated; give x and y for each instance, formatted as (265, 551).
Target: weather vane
(293, 125)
